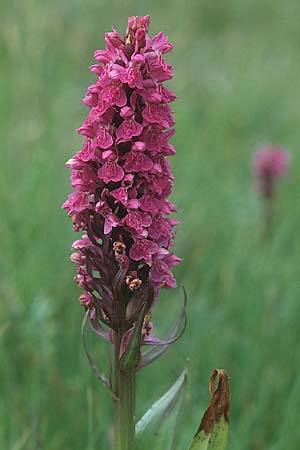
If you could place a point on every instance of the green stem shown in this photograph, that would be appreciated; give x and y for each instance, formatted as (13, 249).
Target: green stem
(117, 443)
(127, 410)
(124, 404)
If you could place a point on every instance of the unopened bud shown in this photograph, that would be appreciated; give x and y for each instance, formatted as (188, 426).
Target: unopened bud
(78, 258)
(87, 300)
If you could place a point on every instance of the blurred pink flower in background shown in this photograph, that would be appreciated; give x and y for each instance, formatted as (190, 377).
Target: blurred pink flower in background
(269, 164)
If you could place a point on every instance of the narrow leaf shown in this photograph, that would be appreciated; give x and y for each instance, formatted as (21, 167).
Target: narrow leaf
(158, 346)
(158, 425)
(97, 327)
(131, 357)
(213, 431)
(100, 375)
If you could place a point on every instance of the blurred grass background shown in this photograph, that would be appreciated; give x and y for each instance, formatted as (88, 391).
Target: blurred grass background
(237, 77)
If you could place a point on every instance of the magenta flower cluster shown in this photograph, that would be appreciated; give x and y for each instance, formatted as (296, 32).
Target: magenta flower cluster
(122, 178)
(269, 164)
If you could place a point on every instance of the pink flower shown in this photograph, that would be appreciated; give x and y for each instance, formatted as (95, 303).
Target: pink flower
(138, 221)
(137, 162)
(113, 94)
(103, 138)
(128, 129)
(87, 152)
(87, 130)
(151, 135)
(269, 164)
(110, 221)
(160, 114)
(77, 202)
(271, 160)
(150, 203)
(111, 171)
(143, 249)
(122, 178)
(161, 43)
(121, 194)
(132, 75)
(159, 70)
(138, 22)
(160, 270)
(87, 300)
(161, 226)
(85, 179)
(92, 96)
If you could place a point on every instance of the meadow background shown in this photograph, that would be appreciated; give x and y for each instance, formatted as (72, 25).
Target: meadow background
(237, 75)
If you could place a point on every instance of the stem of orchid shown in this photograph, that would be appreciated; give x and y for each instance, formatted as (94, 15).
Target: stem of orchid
(124, 404)
(127, 410)
(117, 438)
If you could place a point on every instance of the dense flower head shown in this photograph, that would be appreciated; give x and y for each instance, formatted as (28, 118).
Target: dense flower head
(122, 178)
(269, 164)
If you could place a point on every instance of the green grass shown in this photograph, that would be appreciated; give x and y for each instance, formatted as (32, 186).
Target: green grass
(237, 76)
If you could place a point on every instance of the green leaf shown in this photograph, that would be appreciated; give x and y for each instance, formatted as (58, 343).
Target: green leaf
(175, 333)
(131, 357)
(156, 429)
(99, 374)
(213, 430)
